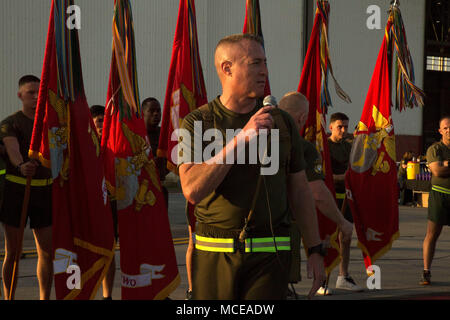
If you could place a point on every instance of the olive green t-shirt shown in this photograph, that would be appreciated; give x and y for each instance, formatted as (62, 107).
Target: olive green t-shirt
(439, 152)
(229, 204)
(313, 162)
(18, 125)
(340, 157)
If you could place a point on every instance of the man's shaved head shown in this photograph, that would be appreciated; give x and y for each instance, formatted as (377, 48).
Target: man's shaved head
(241, 65)
(223, 53)
(297, 106)
(294, 103)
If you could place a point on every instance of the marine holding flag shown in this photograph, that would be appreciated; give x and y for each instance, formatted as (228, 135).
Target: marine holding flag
(65, 140)
(147, 255)
(15, 132)
(371, 181)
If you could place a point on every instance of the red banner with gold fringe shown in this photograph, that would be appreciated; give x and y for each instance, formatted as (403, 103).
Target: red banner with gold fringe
(65, 140)
(147, 254)
(371, 180)
(313, 84)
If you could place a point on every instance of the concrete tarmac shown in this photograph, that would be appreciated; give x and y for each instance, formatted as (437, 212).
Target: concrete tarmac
(400, 268)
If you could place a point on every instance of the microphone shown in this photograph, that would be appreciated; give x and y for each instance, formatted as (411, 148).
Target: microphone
(270, 101)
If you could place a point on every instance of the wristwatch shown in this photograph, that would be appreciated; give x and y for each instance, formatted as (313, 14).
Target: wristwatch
(317, 249)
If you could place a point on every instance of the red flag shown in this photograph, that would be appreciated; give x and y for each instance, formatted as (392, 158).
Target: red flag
(252, 24)
(65, 140)
(371, 180)
(185, 87)
(147, 255)
(313, 85)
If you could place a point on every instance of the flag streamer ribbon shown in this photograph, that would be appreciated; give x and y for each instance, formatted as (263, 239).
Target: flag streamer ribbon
(408, 95)
(127, 93)
(64, 51)
(323, 10)
(252, 25)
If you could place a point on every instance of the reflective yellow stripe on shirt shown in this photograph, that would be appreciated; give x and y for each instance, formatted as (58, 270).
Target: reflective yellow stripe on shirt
(34, 182)
(440, 189)
(2, 172)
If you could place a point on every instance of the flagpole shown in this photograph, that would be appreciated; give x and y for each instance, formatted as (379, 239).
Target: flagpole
(23, 219)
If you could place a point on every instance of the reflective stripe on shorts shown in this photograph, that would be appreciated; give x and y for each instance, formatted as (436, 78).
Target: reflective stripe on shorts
(266, 244)
(34, 182)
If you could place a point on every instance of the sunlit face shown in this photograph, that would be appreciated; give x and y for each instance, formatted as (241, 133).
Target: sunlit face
(152, 114)
(28, 94)
(338, 129)
(98, 122)
(249, 70)
(444, 130)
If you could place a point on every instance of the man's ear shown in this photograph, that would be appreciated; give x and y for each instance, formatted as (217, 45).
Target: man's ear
(19, 95)
(226, 67)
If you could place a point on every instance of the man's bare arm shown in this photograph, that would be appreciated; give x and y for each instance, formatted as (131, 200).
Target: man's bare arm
(440, 169)
(13, 150)
(327, 205)
(199, 180)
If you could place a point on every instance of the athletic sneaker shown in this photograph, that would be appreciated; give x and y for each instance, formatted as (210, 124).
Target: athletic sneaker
(426, 278)
(188, 295)
(291, 295)
(321, 291)
(347, 283)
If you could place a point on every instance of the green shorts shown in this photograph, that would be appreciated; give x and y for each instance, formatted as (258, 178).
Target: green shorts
(439, 208)
(39, 206)
(238, 275)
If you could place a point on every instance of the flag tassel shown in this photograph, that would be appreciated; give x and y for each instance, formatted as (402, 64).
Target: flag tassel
(408, 95)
